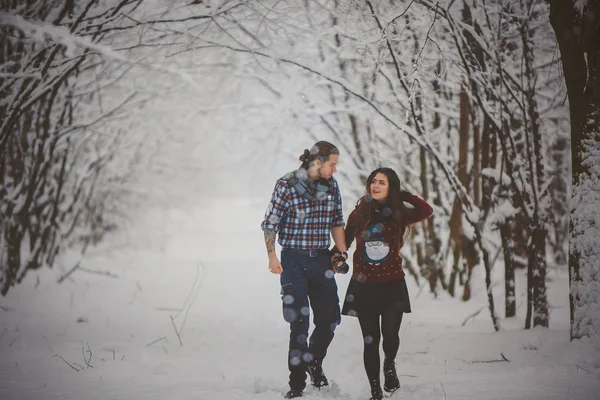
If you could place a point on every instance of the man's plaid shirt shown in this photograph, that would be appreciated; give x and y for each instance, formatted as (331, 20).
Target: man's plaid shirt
(303, 224)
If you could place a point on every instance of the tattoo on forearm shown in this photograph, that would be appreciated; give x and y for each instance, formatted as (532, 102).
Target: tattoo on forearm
(270, 240)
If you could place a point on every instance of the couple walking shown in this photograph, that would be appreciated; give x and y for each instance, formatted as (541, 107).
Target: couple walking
(304, 212)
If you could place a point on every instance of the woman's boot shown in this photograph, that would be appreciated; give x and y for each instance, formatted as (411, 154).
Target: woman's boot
(376, 393)
(391, 381)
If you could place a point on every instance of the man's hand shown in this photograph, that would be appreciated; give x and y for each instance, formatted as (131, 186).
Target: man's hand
(334, 258)
(274, 265)
(337, 260)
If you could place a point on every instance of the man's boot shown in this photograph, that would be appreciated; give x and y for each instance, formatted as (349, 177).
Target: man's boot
(391, 381)
(376, 393)
(317, 377)
(293, 393)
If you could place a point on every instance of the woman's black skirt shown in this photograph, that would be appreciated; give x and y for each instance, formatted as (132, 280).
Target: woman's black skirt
(376, 298)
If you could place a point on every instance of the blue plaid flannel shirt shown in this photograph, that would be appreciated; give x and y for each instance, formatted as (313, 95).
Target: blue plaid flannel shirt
(303, 224)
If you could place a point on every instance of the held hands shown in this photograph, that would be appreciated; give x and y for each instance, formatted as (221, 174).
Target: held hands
(338, 262)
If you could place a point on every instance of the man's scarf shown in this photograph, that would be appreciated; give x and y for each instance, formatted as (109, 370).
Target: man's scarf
(308, 188)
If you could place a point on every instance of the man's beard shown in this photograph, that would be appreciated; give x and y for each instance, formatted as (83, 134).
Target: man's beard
(321, 176)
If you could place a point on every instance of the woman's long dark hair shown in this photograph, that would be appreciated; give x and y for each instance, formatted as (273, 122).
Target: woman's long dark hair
(371, 211)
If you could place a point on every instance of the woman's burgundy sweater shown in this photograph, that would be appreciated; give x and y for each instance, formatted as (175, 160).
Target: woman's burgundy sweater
(377, 258)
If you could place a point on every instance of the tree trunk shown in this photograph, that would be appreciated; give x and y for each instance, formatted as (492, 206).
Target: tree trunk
(578, 34)
(476, 165)
(560, 208)
(529, 313)
(539, 230)
(489, 151)
(466, 245)
(429, 231)
(540, 299)
(510, 304)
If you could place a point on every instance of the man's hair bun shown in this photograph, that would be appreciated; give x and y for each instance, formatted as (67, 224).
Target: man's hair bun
(305, 155)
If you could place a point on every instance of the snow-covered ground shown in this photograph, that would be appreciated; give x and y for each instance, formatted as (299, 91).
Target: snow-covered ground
(203, 271)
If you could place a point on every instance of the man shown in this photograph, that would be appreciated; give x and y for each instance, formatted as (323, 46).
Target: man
(305, 210)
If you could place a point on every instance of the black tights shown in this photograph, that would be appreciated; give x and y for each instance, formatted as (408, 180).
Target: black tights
(372, 333)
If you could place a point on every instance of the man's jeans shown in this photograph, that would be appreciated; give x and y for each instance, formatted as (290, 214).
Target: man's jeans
(305, 278)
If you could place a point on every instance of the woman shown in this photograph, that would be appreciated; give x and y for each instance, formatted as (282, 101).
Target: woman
(377, 292)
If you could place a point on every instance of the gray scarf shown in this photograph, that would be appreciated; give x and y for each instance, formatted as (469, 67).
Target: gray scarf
(308, 188)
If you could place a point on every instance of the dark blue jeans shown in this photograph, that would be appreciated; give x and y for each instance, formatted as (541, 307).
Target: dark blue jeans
(307, 278)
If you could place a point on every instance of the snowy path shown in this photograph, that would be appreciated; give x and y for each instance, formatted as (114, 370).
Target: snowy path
(234, 339)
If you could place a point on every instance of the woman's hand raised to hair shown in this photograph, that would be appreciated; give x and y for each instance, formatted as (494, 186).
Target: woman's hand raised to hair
(404, 195)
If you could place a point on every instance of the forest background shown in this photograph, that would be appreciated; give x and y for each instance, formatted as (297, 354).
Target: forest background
(487, 109)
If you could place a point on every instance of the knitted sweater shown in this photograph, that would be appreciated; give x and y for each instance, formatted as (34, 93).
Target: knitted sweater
(377, 257)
